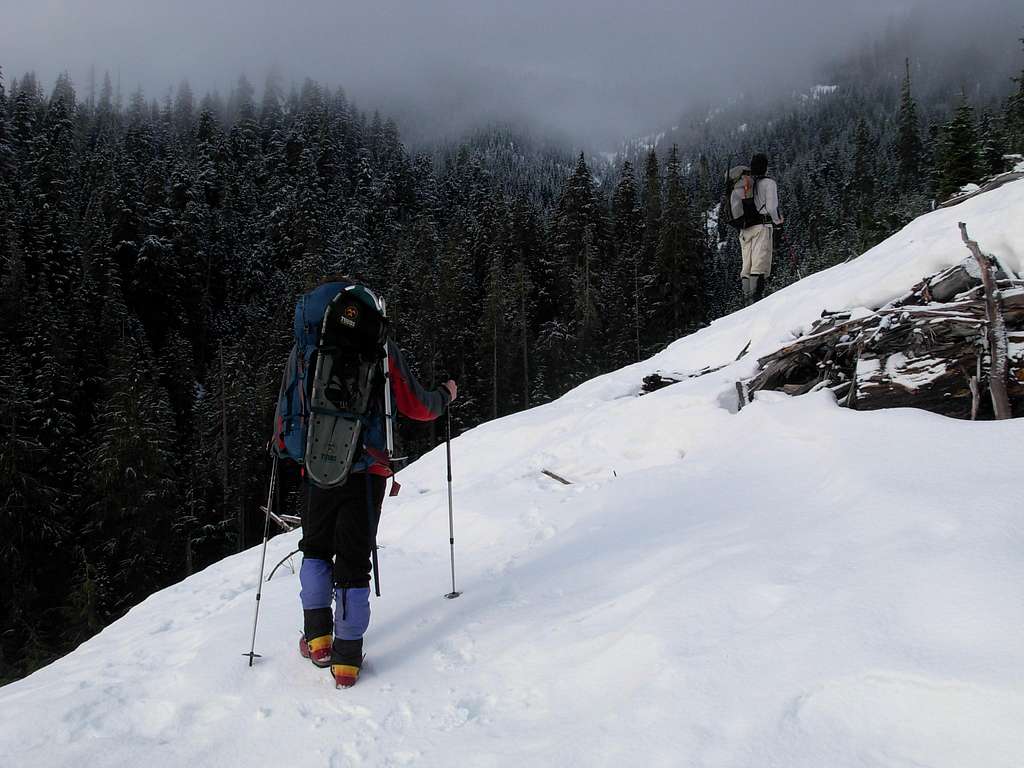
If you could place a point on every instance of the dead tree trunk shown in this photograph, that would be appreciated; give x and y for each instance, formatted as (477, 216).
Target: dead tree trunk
(997, 343)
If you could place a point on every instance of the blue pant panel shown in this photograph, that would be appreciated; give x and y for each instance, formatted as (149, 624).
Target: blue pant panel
(351, 612)
(317, 580)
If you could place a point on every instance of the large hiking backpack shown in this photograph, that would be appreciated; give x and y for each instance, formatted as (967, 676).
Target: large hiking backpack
(751, 215)
(727, 212)
(742, 212)
(330, 406)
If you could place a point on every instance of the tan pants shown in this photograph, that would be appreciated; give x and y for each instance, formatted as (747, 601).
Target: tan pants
(756, 248)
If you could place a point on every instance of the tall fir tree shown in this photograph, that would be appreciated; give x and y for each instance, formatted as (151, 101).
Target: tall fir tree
(7, 173)
(651, 204)
(679, 308)
(130, 471)
(959, 158)
(184, 109)
(629, 282)
(862, 189)
(991, 145)
(578, 234)
(908, 139)
(1014, 115)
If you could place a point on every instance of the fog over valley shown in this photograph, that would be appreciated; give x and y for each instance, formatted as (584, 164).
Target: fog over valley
(592, 71)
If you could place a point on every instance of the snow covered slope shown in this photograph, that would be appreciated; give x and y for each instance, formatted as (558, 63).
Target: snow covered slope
(791, 585)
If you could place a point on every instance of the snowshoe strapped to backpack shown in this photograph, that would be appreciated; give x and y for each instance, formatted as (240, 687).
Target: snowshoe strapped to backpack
(327, 391)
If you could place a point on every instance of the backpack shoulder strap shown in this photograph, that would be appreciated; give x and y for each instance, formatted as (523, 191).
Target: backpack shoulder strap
(767, 219)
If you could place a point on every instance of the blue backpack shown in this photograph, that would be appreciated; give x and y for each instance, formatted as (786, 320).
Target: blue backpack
(292, 416)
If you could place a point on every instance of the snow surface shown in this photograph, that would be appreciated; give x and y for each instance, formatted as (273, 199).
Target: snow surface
(792, 585)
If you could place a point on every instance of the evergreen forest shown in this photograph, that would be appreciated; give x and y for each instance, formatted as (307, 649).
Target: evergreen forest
(151, 252)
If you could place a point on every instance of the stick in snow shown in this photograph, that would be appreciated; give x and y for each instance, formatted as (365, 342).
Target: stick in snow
(553, 476)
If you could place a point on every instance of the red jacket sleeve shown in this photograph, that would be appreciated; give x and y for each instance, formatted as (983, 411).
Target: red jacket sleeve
(411, 399)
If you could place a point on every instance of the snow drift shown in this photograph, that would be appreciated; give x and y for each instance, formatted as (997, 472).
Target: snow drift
(794, 585)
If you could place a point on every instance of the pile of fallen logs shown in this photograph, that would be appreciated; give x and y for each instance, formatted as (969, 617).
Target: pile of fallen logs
(957, 335)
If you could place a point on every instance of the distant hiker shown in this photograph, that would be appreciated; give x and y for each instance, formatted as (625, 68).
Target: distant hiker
(333, 417)
(754, 205)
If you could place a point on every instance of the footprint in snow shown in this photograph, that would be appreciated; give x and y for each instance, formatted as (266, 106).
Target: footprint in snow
(456, 652)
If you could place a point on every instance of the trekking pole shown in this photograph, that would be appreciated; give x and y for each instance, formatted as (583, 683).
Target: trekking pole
(794, 260)
(263, 561)
(372, 520)
(451, 519)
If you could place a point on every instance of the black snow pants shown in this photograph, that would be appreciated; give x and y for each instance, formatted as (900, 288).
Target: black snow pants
(339, 524)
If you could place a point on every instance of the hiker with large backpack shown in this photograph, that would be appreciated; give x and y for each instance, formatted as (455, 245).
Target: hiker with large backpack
(752, 206)
(342, 384)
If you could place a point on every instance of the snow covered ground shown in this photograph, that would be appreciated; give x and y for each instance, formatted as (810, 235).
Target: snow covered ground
(792, 585)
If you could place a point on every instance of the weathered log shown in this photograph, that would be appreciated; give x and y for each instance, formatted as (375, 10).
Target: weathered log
(996, 330)
(936, 384)
(994, 183)
(816, 338)
(942, 286)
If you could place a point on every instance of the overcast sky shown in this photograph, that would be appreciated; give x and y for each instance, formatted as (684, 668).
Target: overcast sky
(597, 69)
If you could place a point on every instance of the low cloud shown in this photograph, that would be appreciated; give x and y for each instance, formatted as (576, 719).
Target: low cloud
(596, 70)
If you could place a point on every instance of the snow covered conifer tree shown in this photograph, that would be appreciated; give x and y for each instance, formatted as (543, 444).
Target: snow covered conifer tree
(64, 91)
(578, 235)
(959, 157)
(24, 124)
(184, 110)
(630, 283)
(130, 472)
(494, 337)
(524, 248)
(679, 307)
(53, 251)
(1014, 115)
(991, 145)
(271, 115)
(863, 187)
(908, 141)
(7, 172)
(651, 204)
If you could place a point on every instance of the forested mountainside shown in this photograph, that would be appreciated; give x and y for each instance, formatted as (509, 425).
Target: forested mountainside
(151, 253)
(884, 133)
